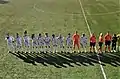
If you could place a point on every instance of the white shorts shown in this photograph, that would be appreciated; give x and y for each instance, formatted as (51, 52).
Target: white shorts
(47, 44)
(83, 45)
(41, 44)
(26, 44)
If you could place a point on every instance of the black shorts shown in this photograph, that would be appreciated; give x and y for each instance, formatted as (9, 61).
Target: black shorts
(100, 44)
(107, 43)
(92, 44)
(113, 44)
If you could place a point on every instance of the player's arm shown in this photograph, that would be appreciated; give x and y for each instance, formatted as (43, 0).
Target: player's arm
(13, 40)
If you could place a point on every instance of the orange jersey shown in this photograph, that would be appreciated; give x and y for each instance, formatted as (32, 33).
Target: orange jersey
(108, 37)
(101, 39)
(93, 39)
(76, 38)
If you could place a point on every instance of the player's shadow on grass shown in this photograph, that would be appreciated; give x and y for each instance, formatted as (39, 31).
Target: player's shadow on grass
(3, 2)
(81, 59)
(58, 60)
(112, 59)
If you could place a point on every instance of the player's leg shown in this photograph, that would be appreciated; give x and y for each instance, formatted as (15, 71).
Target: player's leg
(106, 44)
(109, 43)
(100, 47)
(115, 47)
(49, 48)
(74, 44)
(118, 48)
(17, 48)
(61, 47)
(67, 49)
(78, 46)
(84, 47)
(40, 47)
(70, 47)
(36, 47)
(10, 47)
(91, 46)
(25, 46)
(43, 47)
(94, 44)
(112, 49)
(28, 48)
(54, 48)
(46, 46)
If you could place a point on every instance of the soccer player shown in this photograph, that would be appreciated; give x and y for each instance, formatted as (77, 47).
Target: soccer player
(118, 43)
(26, 41)
(18, 42)
(47, 41)
(114, 42)
(34, 42)
(92, 42)
(83, 42)
(54, 43)
(76, 40)
(108, 39)
(41, 42)
(101, 41)
(61, 43)
(10, 41)
(69, 42)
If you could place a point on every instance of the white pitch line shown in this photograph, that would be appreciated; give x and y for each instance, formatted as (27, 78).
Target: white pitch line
(88, 26)
(69, 14)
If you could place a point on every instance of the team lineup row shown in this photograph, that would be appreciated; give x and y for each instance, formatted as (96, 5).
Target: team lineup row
(57, 44)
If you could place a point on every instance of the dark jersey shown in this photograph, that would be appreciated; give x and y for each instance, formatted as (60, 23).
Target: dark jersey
(114, 39)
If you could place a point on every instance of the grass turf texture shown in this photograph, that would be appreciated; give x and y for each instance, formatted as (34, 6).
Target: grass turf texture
(57, 16)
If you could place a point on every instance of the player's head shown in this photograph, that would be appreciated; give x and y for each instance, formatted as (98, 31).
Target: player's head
(17, 34)
(7, 34)
(25, 32)
(101, 34)
(114, 35)
(93, 34)
(53, 35)
(46, 34)
(40, 34)
(60, 35)
(69, 34)
(76, 32)
(108, 33)
(83, 34)
(33, 35)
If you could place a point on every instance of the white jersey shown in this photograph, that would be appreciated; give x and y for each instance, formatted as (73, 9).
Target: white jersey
(34, 41)
(10, 40)
(27, 40)
(40, 41)
(83, 40)
(54, 41)
(18, 41)
(61, 41)
(69, 41)
(47, 40)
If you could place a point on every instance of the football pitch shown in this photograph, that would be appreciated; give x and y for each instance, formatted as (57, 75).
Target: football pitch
(59, 16)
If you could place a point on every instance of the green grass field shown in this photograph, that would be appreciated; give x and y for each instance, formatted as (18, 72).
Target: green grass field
(58, 16)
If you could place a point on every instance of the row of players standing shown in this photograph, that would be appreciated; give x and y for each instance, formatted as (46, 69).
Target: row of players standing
(56, 43)
(44, 44)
